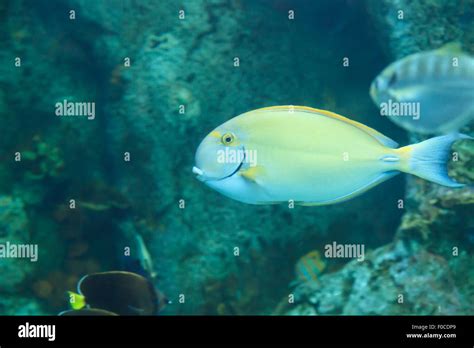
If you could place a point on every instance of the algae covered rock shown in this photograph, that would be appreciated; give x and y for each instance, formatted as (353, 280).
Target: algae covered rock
(14, 230)
(394, 279)
(404, 27)
(18, 305)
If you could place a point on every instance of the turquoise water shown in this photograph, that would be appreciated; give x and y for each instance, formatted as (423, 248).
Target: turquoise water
(156, 77)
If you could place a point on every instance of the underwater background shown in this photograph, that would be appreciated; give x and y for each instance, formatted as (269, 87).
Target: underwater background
(191, 232)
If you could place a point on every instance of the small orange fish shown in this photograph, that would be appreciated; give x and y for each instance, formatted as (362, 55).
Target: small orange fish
(310, 266)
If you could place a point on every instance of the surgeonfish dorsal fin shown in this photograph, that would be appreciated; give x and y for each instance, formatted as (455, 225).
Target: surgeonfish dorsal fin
(384, 140)
(451, 47)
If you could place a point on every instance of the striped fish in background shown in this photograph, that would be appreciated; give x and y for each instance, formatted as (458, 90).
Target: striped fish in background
(440, 83)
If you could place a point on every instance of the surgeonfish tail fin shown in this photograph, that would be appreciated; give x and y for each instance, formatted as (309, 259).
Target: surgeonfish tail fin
(76, 301)
(429, 159)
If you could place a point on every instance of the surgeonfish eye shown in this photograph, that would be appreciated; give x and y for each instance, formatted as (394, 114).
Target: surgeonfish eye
(227, 138)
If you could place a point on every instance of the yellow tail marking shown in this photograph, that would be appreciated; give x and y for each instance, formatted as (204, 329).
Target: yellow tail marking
(405, 154)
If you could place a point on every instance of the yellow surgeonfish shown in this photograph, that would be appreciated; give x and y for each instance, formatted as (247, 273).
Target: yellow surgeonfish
(310, 157)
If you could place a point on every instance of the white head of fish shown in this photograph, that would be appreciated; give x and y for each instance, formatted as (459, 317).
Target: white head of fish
(382, 84)
(213, 156)
(220, 160)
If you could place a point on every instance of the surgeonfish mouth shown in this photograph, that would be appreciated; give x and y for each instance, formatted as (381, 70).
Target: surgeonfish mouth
(236, 169)
(197, 171)
(202, 177)
(199, 174)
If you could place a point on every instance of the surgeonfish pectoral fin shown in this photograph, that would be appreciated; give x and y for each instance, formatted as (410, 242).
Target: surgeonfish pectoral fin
(252, 173)
(76, 301)
(428, 159)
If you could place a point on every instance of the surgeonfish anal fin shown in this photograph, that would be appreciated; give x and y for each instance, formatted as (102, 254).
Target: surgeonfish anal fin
(374, 182)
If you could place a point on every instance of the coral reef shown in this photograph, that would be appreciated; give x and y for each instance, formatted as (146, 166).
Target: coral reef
(18, 305)
(13, 229)
(404, 27)
(399, 278)
(189, 72)
(42, 161)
